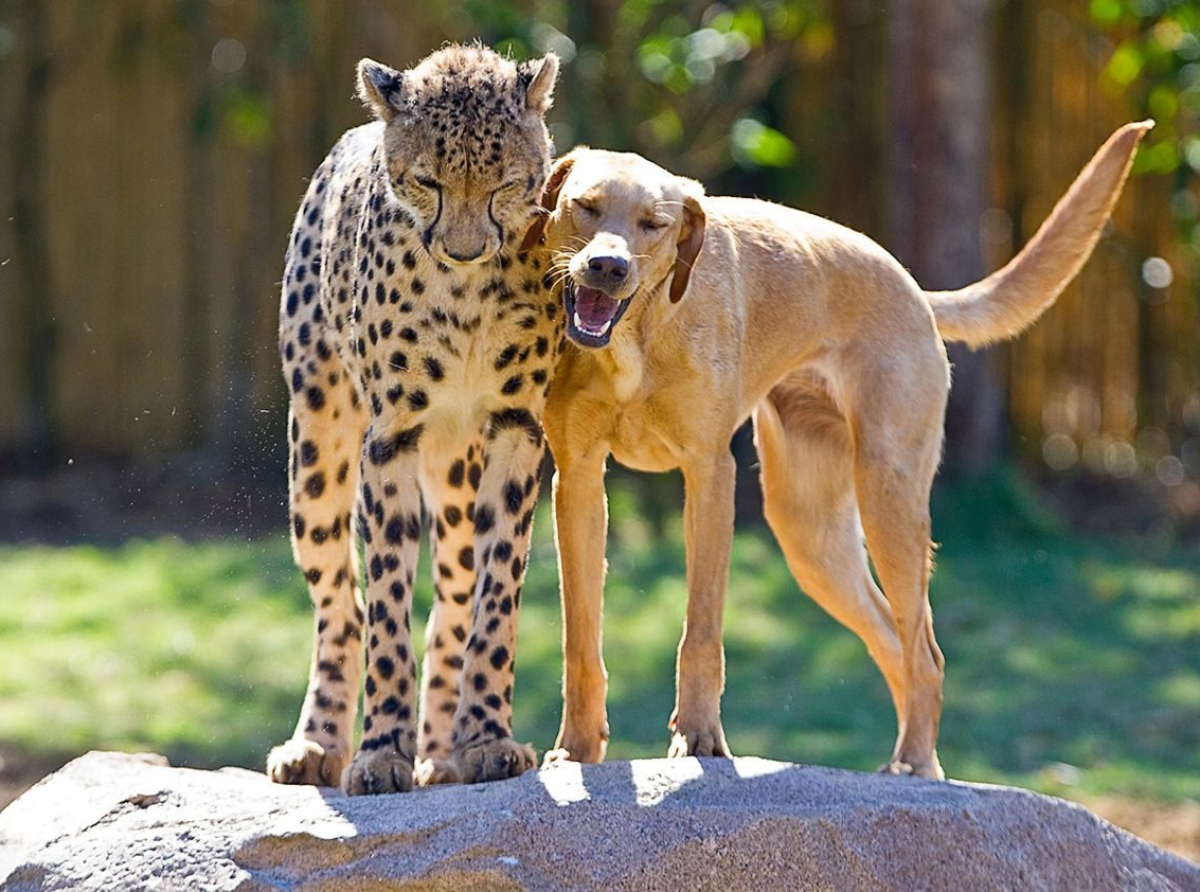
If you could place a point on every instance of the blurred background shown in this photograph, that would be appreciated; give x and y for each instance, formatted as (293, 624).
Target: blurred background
(153, 154)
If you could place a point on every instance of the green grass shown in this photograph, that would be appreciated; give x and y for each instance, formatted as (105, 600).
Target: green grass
(1073, 666)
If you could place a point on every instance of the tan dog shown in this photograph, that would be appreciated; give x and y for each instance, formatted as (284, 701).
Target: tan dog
(694, 313)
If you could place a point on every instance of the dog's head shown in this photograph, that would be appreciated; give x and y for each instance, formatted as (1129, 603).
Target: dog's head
(620, 229)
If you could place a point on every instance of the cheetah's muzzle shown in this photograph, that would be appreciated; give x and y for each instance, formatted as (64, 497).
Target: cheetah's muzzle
(591, 314)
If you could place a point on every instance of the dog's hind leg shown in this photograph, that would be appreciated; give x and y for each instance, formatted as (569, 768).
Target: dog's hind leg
(808, 490)
(896, 429)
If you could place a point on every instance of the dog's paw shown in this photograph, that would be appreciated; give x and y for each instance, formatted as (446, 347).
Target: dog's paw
(704, 741)
(378, 771)
(493, 760)
(436, 771)
(931, 770)
(572, 748)
(300, 761)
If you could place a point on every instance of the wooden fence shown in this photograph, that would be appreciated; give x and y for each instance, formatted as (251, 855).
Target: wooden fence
(170, 143)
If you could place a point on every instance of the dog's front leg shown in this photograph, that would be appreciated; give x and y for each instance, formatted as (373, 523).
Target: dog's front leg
(581, 528)
(700, 672)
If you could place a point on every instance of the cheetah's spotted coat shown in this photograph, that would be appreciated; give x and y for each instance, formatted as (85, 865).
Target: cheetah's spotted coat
(418, 343)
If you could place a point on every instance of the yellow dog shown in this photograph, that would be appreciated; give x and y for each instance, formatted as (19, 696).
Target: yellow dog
(692, 313)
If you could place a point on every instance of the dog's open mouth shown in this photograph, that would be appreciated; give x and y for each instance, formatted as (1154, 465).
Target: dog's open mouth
(591, 314)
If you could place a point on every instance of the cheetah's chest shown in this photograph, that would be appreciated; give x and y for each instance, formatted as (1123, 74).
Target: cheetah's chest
(452, 343)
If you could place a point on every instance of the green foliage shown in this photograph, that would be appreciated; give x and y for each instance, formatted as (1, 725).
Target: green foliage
(1156, 64)
(1058, 652)
(671, 81)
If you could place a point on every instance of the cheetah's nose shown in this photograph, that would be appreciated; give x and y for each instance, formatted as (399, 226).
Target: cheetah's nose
(465, 258)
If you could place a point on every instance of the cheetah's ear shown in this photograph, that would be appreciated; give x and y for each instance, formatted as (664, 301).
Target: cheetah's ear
(380, 88)
(544, 73)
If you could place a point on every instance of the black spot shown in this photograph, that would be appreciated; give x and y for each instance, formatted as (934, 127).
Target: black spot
(383, 449)
(514, 497)
(507, 355)
(515, 418)
(433, 368)
(485, 519)
(315, 485)
(394, 532)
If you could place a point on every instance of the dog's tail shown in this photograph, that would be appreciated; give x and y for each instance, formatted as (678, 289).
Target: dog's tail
(1013, 297)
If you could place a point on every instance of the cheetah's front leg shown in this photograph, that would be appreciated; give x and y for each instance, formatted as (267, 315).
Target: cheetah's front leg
(390, 527)
(324, 461)
(450, 484)
(483, 748)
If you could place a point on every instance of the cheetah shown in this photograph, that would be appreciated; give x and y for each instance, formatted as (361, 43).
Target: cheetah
(418, 339)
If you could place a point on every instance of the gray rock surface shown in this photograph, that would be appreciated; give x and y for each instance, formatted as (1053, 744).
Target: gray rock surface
(112, 821)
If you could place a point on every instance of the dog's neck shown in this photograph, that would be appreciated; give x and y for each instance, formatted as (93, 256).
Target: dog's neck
(623, 361)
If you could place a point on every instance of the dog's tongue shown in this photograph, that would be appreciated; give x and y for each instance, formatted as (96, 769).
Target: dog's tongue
(593, 309)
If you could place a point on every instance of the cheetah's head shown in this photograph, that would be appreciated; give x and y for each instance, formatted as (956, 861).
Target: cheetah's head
(466, 145)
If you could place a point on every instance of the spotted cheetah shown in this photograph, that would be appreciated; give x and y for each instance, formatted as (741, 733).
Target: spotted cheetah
(418, 339)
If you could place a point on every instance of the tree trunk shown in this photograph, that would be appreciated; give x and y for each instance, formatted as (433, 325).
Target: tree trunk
(34, 320)
(939, 95)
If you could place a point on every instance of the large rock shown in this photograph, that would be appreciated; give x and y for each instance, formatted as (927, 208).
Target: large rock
(110, 821)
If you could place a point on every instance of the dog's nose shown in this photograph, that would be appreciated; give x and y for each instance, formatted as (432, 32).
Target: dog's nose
(612, 268)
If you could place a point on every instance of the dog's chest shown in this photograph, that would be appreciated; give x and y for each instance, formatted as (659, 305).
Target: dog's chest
(647, 432)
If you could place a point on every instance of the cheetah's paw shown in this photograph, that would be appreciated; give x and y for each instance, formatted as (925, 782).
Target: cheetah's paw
(378, 771)
(300, 761)
(493, 760)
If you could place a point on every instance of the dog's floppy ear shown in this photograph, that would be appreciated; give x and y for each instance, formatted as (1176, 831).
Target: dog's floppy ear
(558, 176)
(691, 240)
